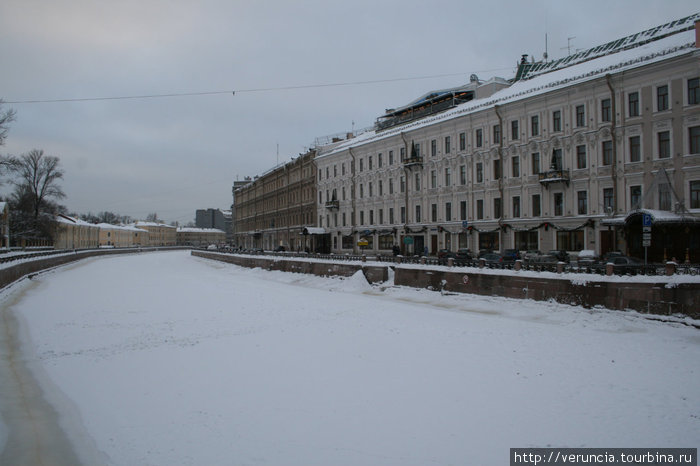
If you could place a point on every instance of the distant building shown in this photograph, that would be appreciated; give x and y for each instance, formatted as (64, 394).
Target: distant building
(122, 236)
(73, 233)
(159, 234)
(200, 236)
(215, 218)
(274, 209)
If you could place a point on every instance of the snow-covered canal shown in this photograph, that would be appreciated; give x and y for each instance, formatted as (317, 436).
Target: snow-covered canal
(168, 359)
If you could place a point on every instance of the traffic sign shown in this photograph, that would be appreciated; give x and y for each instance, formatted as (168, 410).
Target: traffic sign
(465, 224)
(646, 243)
(646, 229)
(646, 236)
(646, 220)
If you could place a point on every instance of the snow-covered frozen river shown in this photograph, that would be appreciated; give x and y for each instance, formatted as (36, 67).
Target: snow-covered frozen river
(168, 359)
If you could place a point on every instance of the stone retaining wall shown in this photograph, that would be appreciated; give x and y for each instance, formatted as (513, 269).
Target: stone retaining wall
(15, 272)
(373, 273)
(655, 298)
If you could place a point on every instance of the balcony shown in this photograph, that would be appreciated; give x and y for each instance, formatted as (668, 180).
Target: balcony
(554, 176)
(333, 205)
(411, 161)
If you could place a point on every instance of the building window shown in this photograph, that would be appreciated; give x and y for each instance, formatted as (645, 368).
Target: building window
(557, 163)
(391, 157)
(335, 171)
(580, 115)
(605, 110)
(556, 120)
(662, 98)
(402, 152)
(362, 217)
(607, 153)
(402, 183)
(496, 134)
(479, 172)
(417, 213)
(581, 156)
(535, 125)
(635, 149)
(433, 179)
(371, 217)
(391, 215)
(558, 204)
(479, 137)
(535, 163)
(403, 214)
(664, 196)
(582, 202)
(633, 104)
(362, 164)
(344, 219)
(379, 160)
(462, 141)
(694, 139)
(391, 186)
(371, 192)
(370, 162)
(342, 169)
(362, 191)
(433, 147)
(497, 207)
(635, 197)
(608, 199)
(463, 175)
(664, 139)
(416, 149)
(416, 183)
(695, 194)
(463, 209)
(447, 176)
(433, 212)
(448, 144)
(536, 205)
(516, 206)
(515, 166)
(497, 169)
(448, 211)
(514, 131)
(381, 188)
(694, 91)
(479, 209)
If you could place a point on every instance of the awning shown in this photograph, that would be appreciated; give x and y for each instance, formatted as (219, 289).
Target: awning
(313, 231)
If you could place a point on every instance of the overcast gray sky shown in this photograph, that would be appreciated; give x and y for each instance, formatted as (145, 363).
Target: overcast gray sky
(177, 154)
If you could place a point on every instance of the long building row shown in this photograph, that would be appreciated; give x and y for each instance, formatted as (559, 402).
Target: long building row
(600, 151)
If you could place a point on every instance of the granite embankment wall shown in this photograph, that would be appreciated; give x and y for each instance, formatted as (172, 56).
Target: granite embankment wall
(373, 273)
(14, 272)
(656, 298)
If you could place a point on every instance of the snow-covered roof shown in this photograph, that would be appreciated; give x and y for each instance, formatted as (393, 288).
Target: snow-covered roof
(152, 224)
(656, 49)
(73, 221)
(199, 230)
(109, 226)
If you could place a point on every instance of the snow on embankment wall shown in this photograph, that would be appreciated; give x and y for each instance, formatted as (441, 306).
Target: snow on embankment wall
(14, 272)
(642, 296)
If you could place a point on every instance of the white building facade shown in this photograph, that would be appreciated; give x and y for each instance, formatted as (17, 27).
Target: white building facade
(563, 158)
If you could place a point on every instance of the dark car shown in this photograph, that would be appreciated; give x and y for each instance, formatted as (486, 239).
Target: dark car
(445, 253)
(511, 255)
(492, 258)
(463, 254)
(280, 249)
(560, 254)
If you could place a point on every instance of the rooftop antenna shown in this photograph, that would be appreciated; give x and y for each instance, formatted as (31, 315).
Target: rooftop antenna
(568, 44)
(546, 55)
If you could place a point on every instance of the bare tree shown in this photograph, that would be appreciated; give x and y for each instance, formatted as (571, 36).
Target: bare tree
(37, 177)
(6, 118)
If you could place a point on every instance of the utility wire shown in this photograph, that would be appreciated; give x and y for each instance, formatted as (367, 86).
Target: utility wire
(233, 92)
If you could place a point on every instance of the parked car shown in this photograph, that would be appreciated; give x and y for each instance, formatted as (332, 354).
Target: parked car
(483, 252)
(587, 257)
(492, 258)
(561, 255)
(531, 254)
(280, 248)
(511, 255)
(608, 256)
(463, 254)
(445, 254)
